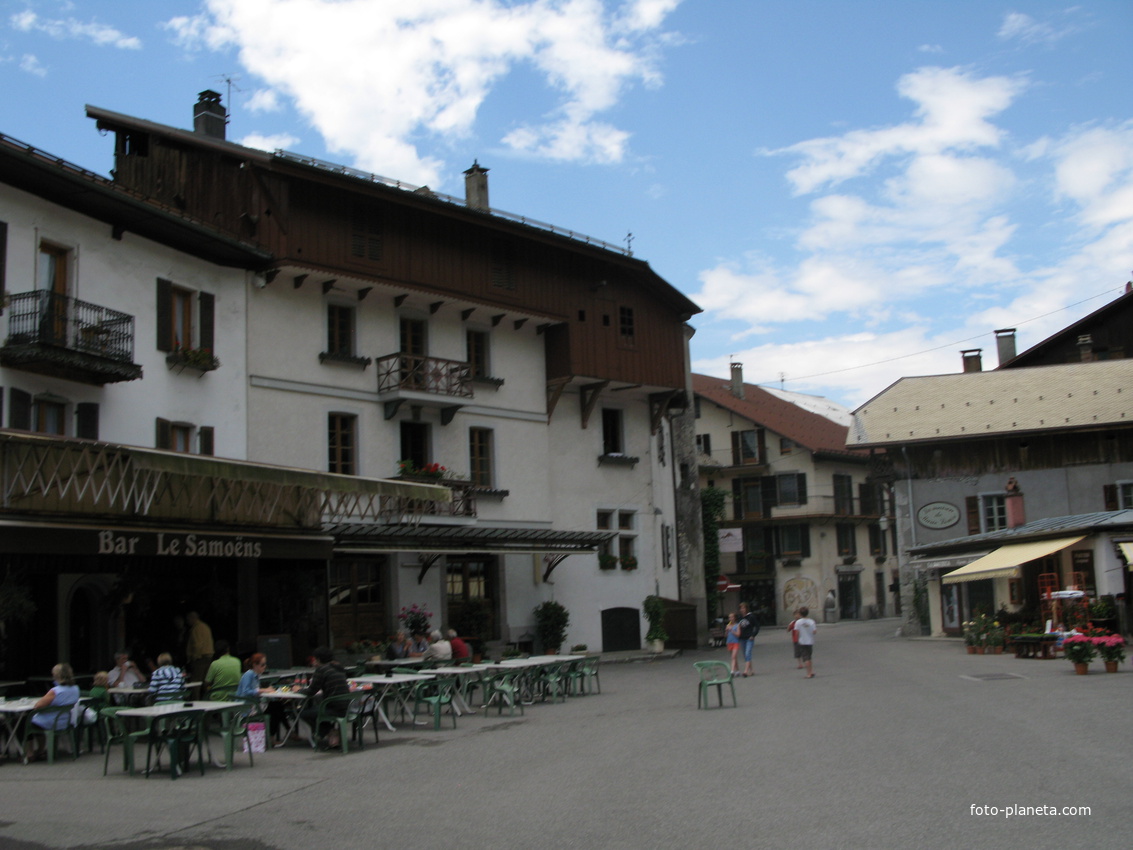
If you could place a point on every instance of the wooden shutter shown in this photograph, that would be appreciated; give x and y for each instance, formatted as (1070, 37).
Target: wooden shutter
(86, 420)
(762, 446)
(205, 436)
(1109, 494)
(770, 489)
(737, 452)
(206, 311)
(972, 508)
(19, 410)
(801, 478)
(163, 438)
(164, 315)
(804, 540)
(737, 499)
(3, 260)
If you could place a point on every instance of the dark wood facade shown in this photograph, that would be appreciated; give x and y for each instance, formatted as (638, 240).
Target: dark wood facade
(310, 216)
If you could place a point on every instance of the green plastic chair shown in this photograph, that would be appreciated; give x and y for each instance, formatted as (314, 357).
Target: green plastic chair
(59, 721)
(713, 673)
(590, 667)
(179, 732)
(574, 675)
(502, 688)
(114, 731)
(171, 696)
(93, 730)
(345, 712)
(552, 680)
(435, 693)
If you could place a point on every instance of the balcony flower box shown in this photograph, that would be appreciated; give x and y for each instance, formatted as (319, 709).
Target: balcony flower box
(200, 359)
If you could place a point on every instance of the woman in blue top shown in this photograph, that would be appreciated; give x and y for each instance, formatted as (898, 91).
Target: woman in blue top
(63, 692)
(250, 687)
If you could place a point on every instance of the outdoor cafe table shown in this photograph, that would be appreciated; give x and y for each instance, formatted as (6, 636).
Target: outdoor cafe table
(383, 684)
(290, 673)
(389, 664)
(5, 685)
(459, 694)
(292, 702)
(150, 713)
(136, 696)
(12, 711)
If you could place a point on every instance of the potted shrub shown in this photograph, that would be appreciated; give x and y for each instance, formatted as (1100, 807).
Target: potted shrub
(970, 638)
(629, 562)
(1080, 651)
(653, 609)
(607, 561)
(551, 621)
(1112, 650)
(996, 638)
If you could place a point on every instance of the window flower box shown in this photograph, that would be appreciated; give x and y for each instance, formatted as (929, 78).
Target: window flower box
(345, 359)
(200, 359)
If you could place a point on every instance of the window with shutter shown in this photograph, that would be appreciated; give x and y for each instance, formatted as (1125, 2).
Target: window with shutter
(19, 409)
(163, 436)
(86, 420)
(3, 261)
(205, 439)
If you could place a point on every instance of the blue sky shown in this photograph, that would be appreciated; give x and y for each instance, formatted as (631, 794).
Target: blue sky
(853, 191)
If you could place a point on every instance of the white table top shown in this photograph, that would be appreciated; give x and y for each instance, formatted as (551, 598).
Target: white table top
(15, 706)
(162, 708)
(291, 671)
(392, 679)
(281, 694)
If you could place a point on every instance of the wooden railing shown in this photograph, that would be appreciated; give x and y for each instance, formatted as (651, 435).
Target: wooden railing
(419, 373)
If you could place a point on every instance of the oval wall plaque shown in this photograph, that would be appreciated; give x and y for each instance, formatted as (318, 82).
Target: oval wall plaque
(938, 515)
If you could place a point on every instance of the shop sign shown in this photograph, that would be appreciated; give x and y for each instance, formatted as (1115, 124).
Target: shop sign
(175, 545)
(938, 515)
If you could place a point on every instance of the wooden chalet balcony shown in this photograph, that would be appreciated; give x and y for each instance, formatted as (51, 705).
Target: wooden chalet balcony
(425, 381)
(60, 336)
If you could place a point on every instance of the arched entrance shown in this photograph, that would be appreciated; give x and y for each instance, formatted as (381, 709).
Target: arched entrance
(621, 629)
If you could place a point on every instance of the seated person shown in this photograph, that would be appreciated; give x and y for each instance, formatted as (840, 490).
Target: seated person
(124, 673)
(223, 676)
(329, 680)
(64, 691)
(418, 646)
(167, 681)
(460, 650)
(440, 649)
(398, 647)
(249, 687)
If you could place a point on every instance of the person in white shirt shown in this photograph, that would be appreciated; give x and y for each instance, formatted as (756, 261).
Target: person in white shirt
(124, 673)
(806, 627)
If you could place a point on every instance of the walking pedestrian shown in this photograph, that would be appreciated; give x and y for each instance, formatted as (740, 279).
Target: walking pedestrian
(806, 627)
(732, 641)
(749, 628)
(795, 641)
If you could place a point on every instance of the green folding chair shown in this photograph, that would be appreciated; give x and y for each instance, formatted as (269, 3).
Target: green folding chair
(58, 721)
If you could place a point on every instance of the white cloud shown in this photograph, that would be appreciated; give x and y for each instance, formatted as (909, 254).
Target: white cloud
(30, 64)
(101, 35)
(263, 100)
(1024, 28)
(280, 141)
(372, 76)
(953, 108)
(1094, 168)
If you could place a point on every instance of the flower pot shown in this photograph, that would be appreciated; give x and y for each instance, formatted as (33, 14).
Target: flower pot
(1081, 669)
(971, 650)
(656, 645)
(979, 650)
(1111, 666)
(997, 650)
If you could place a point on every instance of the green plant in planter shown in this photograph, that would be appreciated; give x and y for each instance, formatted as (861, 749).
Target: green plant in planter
(1079, 649)
(653, 609)
(970, 636)
(629, 562)
(996, 636)
(607, 561)
(551, 621)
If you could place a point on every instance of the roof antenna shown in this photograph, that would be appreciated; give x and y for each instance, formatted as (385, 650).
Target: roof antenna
(629, 244)
(229, 80)
(782, 379)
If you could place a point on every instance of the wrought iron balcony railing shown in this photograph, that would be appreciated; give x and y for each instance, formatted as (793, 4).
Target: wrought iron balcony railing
(59, 335)
(414, 372)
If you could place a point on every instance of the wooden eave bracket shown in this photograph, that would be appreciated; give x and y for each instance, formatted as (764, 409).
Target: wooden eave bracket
(464, 314)
(435, 306)
(364, 291)
(554, 393)
(553, 561)
(297, 281)
(658, 404)
(398, 300)
(447, 413)
(590, 393)
(391, 408)
(427, 561)
(328, 285)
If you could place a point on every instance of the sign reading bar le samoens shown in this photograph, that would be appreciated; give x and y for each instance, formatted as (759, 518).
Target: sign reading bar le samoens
(938, 515)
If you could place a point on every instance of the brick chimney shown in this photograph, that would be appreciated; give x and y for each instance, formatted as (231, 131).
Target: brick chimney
(209, 117)
(476, 187)
(972, 360)
(1013, 502)
(1005, 343)
(738, 380)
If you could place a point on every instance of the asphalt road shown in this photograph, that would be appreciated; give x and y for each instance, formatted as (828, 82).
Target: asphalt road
(889, 746)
